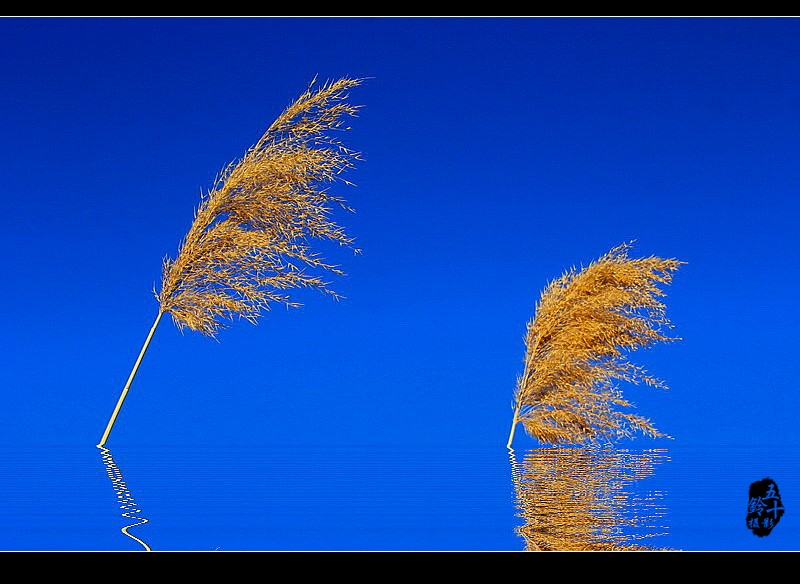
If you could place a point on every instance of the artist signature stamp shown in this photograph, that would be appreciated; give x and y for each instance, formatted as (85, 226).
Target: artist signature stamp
(764, 507)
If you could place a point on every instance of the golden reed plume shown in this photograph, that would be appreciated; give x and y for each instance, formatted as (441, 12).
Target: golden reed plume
(585, 324)
(251, 239)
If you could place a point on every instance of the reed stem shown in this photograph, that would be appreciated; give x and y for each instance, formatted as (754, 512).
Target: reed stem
(513, 425)
(122, 396)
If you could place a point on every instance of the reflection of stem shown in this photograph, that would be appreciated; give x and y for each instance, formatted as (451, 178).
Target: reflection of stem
(115, 413)
(124, 497)
(517, 478)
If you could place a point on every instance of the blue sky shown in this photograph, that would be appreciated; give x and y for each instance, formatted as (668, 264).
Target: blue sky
(498, 152)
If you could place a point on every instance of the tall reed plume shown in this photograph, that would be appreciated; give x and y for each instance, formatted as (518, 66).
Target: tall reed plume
(585, 325)
(251, 239)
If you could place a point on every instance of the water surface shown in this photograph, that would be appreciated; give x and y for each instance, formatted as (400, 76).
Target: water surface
(390, 499)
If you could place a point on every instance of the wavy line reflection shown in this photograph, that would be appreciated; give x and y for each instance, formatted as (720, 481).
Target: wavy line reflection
(583, 499)
(124, 498)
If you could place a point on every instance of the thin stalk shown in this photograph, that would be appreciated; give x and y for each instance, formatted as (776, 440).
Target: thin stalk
(523, 380)
(513, 426)
(122, 396)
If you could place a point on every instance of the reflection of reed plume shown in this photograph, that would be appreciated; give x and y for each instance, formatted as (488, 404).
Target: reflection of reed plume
(583, 499)
(124, 498)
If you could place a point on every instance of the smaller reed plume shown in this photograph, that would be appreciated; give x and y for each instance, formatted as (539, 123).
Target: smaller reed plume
(577, 344)
(252, 235)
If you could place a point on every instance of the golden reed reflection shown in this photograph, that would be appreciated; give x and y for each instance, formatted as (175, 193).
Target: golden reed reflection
(586, 499)
(130, 510)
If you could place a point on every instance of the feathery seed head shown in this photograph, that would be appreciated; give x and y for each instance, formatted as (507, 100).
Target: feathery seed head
(577, 345)
(251, 239)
